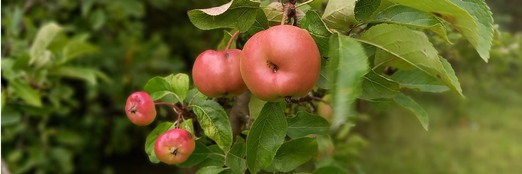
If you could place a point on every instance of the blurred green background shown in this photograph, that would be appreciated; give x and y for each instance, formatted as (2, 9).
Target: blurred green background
(80, 126)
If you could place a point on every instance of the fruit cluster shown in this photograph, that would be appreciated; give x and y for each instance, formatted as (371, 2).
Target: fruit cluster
(280, 62)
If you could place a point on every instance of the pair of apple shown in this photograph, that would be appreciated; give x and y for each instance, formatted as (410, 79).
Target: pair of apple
(171, 147)
(282, 61)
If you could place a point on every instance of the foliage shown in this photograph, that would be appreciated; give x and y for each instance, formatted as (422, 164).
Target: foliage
(355, 53)
(372, 50)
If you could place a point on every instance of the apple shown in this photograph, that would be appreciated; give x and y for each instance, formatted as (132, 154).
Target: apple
(174, 146)
(280, 62)
(216, 73)
(140, 108)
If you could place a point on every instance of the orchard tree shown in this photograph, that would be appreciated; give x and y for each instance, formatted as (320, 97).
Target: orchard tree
(257, 100)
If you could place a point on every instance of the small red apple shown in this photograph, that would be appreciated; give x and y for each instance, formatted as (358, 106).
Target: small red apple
(174, 146)
(140, 108)
(282, 61)
(216, 73)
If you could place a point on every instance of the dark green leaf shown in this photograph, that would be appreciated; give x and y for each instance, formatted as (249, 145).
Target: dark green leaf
(364, 9)
(216, 157)
(38, 51)
(410, 104)
(294, 153)
(376, 86)
(236, 14)
(411, 47)
(266, 135)
(211, 170)
(201, 152)
(260, 24)
(305, 124)
(417, 79)
(214, 122)
(236, 157)
(317, 29)
(348, 64)
(64, 158)
(339, 14)
(28, 94)
(151, 139)
(9, 115)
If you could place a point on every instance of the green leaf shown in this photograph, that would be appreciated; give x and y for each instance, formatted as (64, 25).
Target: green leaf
(417, 79)
(211, 170)
(411, 47)
(305, 124)
(87, 74)
(376, 86)
(187, 125)
(348, 64)
(484, 19)
(9, 115)
(201, 152)
(408, 16)
(451, 73)
(294, 153)
(410, 104)
(214, 122)
(236, 14)
(159, 87)
(39, 54)
(255, 105)
(28, 94)
(179, 84)
(151, 139)
(64, 159)
(266, 135)
(471, 17)
(317, 29)
(236, 157)
(260, 24)
(339, 14)
(216, 157)
(76, 48)
(364, 9)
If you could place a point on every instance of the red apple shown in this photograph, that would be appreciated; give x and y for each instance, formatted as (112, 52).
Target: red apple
(216, 73)
(282, 61)
(140, 108)
(174, 146)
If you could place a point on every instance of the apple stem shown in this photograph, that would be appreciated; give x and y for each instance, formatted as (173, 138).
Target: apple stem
(231, 39)
(289, 11)
(178, 110)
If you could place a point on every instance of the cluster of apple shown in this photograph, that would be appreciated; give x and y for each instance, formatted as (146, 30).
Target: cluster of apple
(280, 62)
(171, 147)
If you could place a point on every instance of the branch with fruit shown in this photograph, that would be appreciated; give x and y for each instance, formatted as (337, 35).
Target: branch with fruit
(252, 106)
